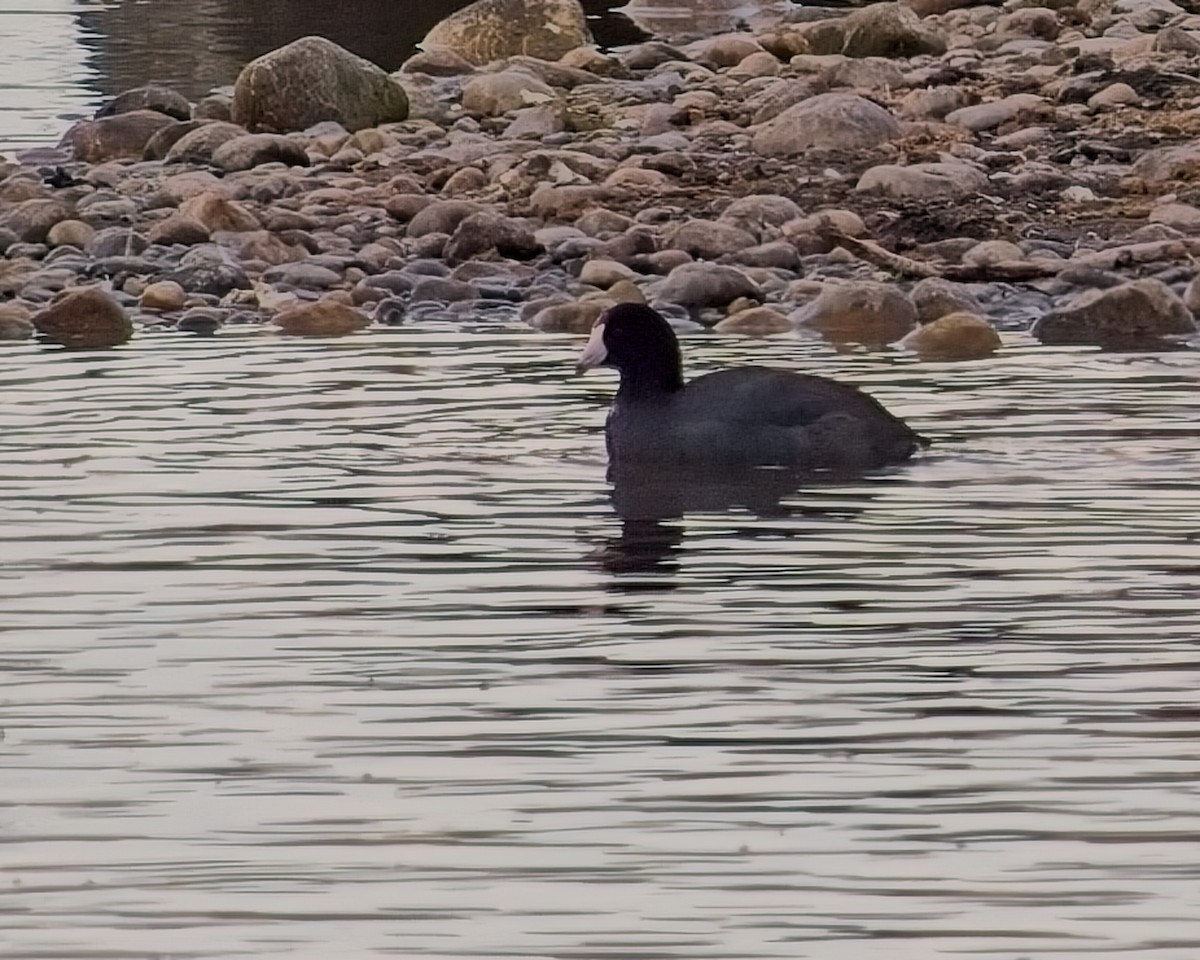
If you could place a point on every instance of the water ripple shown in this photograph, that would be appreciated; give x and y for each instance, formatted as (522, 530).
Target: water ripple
(316, 647)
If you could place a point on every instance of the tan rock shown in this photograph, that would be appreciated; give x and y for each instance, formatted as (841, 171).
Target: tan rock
(604, 273)
(218, 212)
(954, 336)
(163, 295)
(14, 322)
(178, 228)
(85, 318)
(322, 318)
(70, 233)
(574, 317)
(755, 322)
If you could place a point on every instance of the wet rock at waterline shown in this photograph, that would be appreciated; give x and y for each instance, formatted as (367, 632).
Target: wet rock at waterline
(120, 137)
(953, 336)
(85, 319)
(1138, 315)
(324, 318)
(310, 80)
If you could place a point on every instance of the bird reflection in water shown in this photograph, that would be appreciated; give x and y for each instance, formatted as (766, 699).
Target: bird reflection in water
(651, 506)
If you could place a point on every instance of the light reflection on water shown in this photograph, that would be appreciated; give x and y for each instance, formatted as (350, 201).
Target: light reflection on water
(338, 648)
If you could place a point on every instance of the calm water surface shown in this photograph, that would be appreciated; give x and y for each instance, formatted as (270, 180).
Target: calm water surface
(339, 649)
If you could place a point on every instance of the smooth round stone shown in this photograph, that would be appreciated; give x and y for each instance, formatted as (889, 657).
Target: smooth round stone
(163, 295)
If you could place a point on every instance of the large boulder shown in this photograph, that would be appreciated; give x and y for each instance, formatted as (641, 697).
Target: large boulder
(888, 30)
(1137, 314)
(831, 121)
(490, 30)
(310, 80)
(85, 319)
(120, 137)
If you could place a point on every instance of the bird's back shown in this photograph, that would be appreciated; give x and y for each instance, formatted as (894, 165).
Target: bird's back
(765, 416)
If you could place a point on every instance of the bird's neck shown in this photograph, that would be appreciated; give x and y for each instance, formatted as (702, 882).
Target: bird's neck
(647, 381)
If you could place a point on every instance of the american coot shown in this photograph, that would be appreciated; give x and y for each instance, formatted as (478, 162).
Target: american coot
(740, 417)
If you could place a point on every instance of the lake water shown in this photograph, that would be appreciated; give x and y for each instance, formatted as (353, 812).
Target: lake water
(340, 649)
(60, 59)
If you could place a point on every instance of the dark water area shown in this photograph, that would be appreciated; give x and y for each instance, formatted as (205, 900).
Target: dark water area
(61, 58)
(202, 44)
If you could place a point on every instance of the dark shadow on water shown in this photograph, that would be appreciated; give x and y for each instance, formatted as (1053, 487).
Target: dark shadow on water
(652, 505)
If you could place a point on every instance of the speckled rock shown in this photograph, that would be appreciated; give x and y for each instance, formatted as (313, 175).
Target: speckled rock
(86, 319)
(493, 94)
(322, 318)
(1142, 312)
(953, 336)
(210, 270)
(490, 30)
(310, 80)
(922, 181)
(868, 313)
(834, 121)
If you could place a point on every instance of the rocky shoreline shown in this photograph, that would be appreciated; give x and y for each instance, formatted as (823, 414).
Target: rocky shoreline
(918, 175)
